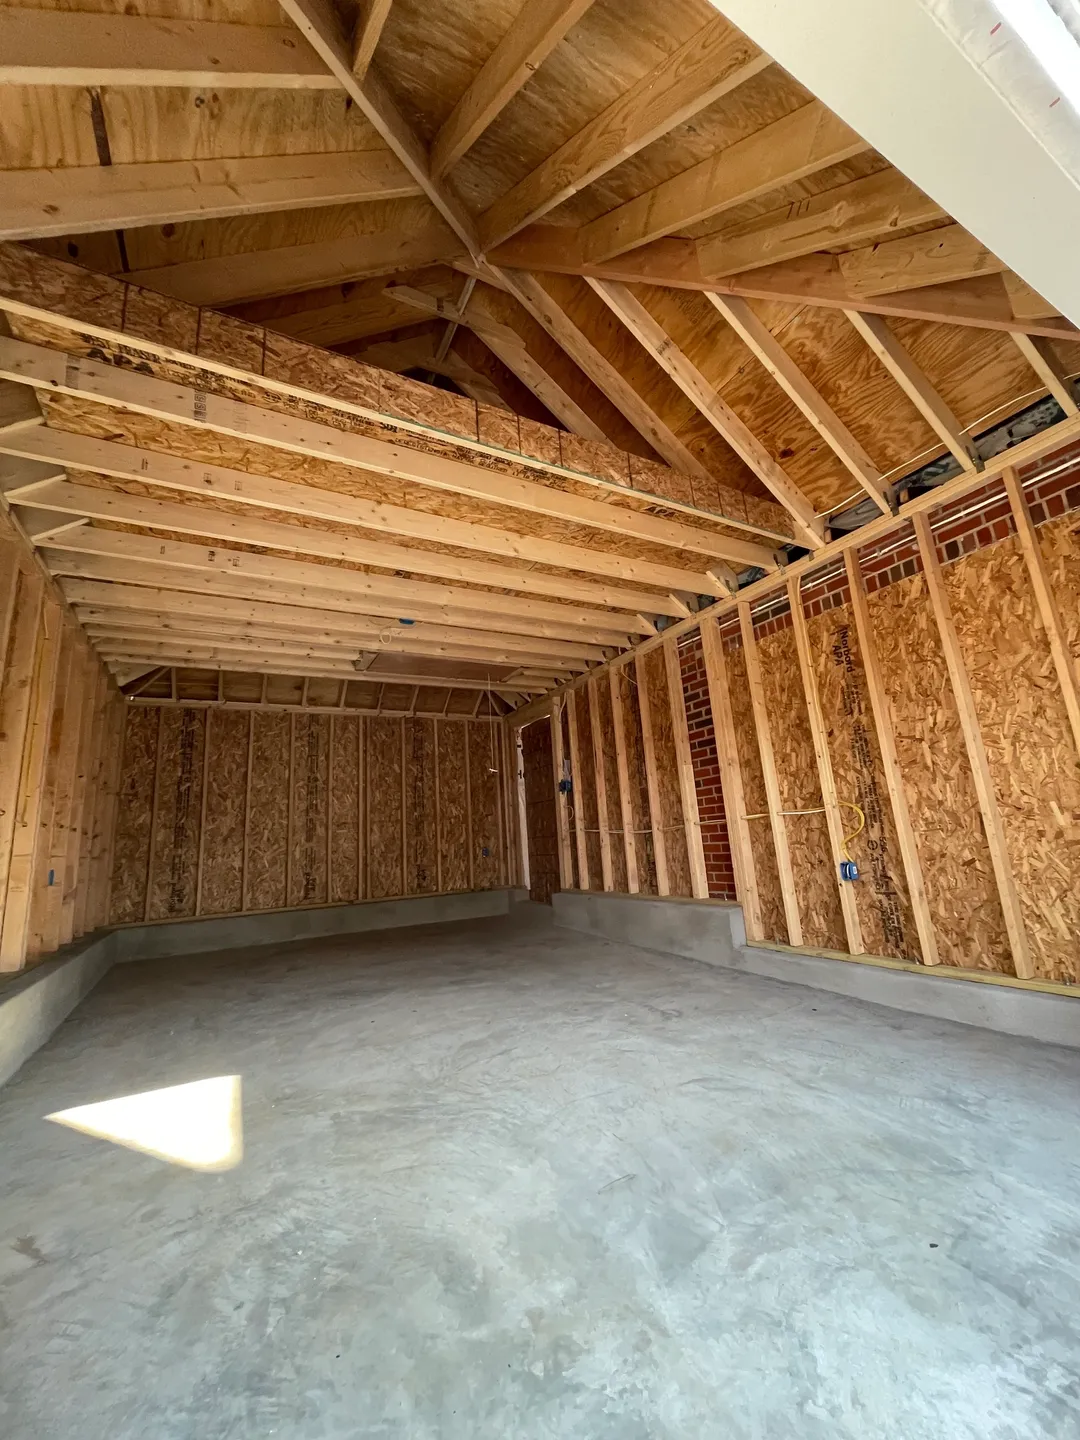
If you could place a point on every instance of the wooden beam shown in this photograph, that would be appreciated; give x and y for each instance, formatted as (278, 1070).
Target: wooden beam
(1040, 355)
(622, 762)
(695, 848)
(788, 150)
(881, 711)
(578, 792)
(768, 350)
(847, 215)
(532, 36)
(933, 257)
(731, 781)
(562, 800)
(819, 735)
(976, 750)
(603, 819)
(60, 497)
(370, 19)
(73, 48)
(1049, 613)
(82, 199)
(652, 783)
(38, 366)
(1027, 303)
(775, 804)
(709, 65)
(652, 336)
(170, 472)
(896, 360)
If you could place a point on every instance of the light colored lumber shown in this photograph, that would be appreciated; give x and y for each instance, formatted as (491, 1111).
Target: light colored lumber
(707, 66)
(53, 798)
(578, 791)
(622, 762)
(775, 804)
(1049, 613)
(91, 787)
(83, 199)
(727, 754)
(38, 366)
(976, 750)
(768, 350)
(533, 34)
(779, 154)
(642, 325)
(652, 784)
(847, 215)
(1026, 303)
(896, 360)
(64, 498)
(881, 711)
(562, 801)
(933, 257)
(17, 696)
(190, 477)
(603, 819)
(695, 849)
(371, 16)
(834, 820)
(1039, 354)
(68, 47)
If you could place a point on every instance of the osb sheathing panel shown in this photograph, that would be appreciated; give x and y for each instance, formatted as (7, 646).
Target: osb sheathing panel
(816, 877)
(667, 775)
(421, 808)
(131, 848)
(344, 802)
(454, 844)
(583, 797)
(310, 805)
(639, 790)
(960, 888)
(223, 830)
(881, 893)
(485, 772)
(768, 880)
(268, 829)
(1029, 746)
(602, 719)
(384, 799)
(174, 838)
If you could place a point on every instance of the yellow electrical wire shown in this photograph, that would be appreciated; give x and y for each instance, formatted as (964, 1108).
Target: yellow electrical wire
(820, 810)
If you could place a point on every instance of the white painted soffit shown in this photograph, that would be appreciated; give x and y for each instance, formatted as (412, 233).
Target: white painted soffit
(948, 91)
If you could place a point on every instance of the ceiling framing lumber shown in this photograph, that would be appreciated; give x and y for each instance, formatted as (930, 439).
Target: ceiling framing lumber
(694, 385)
(1040, 356)
(768, 350)
(84, 199)
(67, 47)
(172, 472)
(790, 149)
(371, 16)
(933, 257)
(710, 64)
(95, 503)
(53, 370)
(532, 36)
(896, 360)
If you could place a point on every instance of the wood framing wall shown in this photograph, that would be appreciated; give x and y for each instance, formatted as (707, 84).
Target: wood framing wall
(226, 811)
(60, 720)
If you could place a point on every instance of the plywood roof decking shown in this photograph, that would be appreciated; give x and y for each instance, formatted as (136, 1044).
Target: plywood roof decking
(727, 178)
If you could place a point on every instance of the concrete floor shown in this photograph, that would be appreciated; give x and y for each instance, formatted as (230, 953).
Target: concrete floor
(503, 1182)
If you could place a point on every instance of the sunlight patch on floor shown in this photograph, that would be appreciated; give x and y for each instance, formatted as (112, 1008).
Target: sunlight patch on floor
(198, 1125)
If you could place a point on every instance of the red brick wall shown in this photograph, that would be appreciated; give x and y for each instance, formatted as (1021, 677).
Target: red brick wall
(714, 831)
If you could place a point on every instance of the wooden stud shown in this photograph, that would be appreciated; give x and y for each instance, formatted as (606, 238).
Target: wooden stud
(976, 750)
(562, 816)
(1049, 613)
(578, 793)
(202, 810)
(622, 761)
(881, 710)
(438, 807)
(371, 17)
(290, 821)
(245, 863)
(404, 813)
(91, 800)
(78, 858)
(469, 836)
(1040, 355)
(656, 809)
(775, 804)
(727, 752)
(51, 844)
(363, 838)
(695, 849)
(155, 802)
(819, 734)
(17, 698)
(600, 786)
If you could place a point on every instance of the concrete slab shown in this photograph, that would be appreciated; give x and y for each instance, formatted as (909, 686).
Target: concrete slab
(507, 1182)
